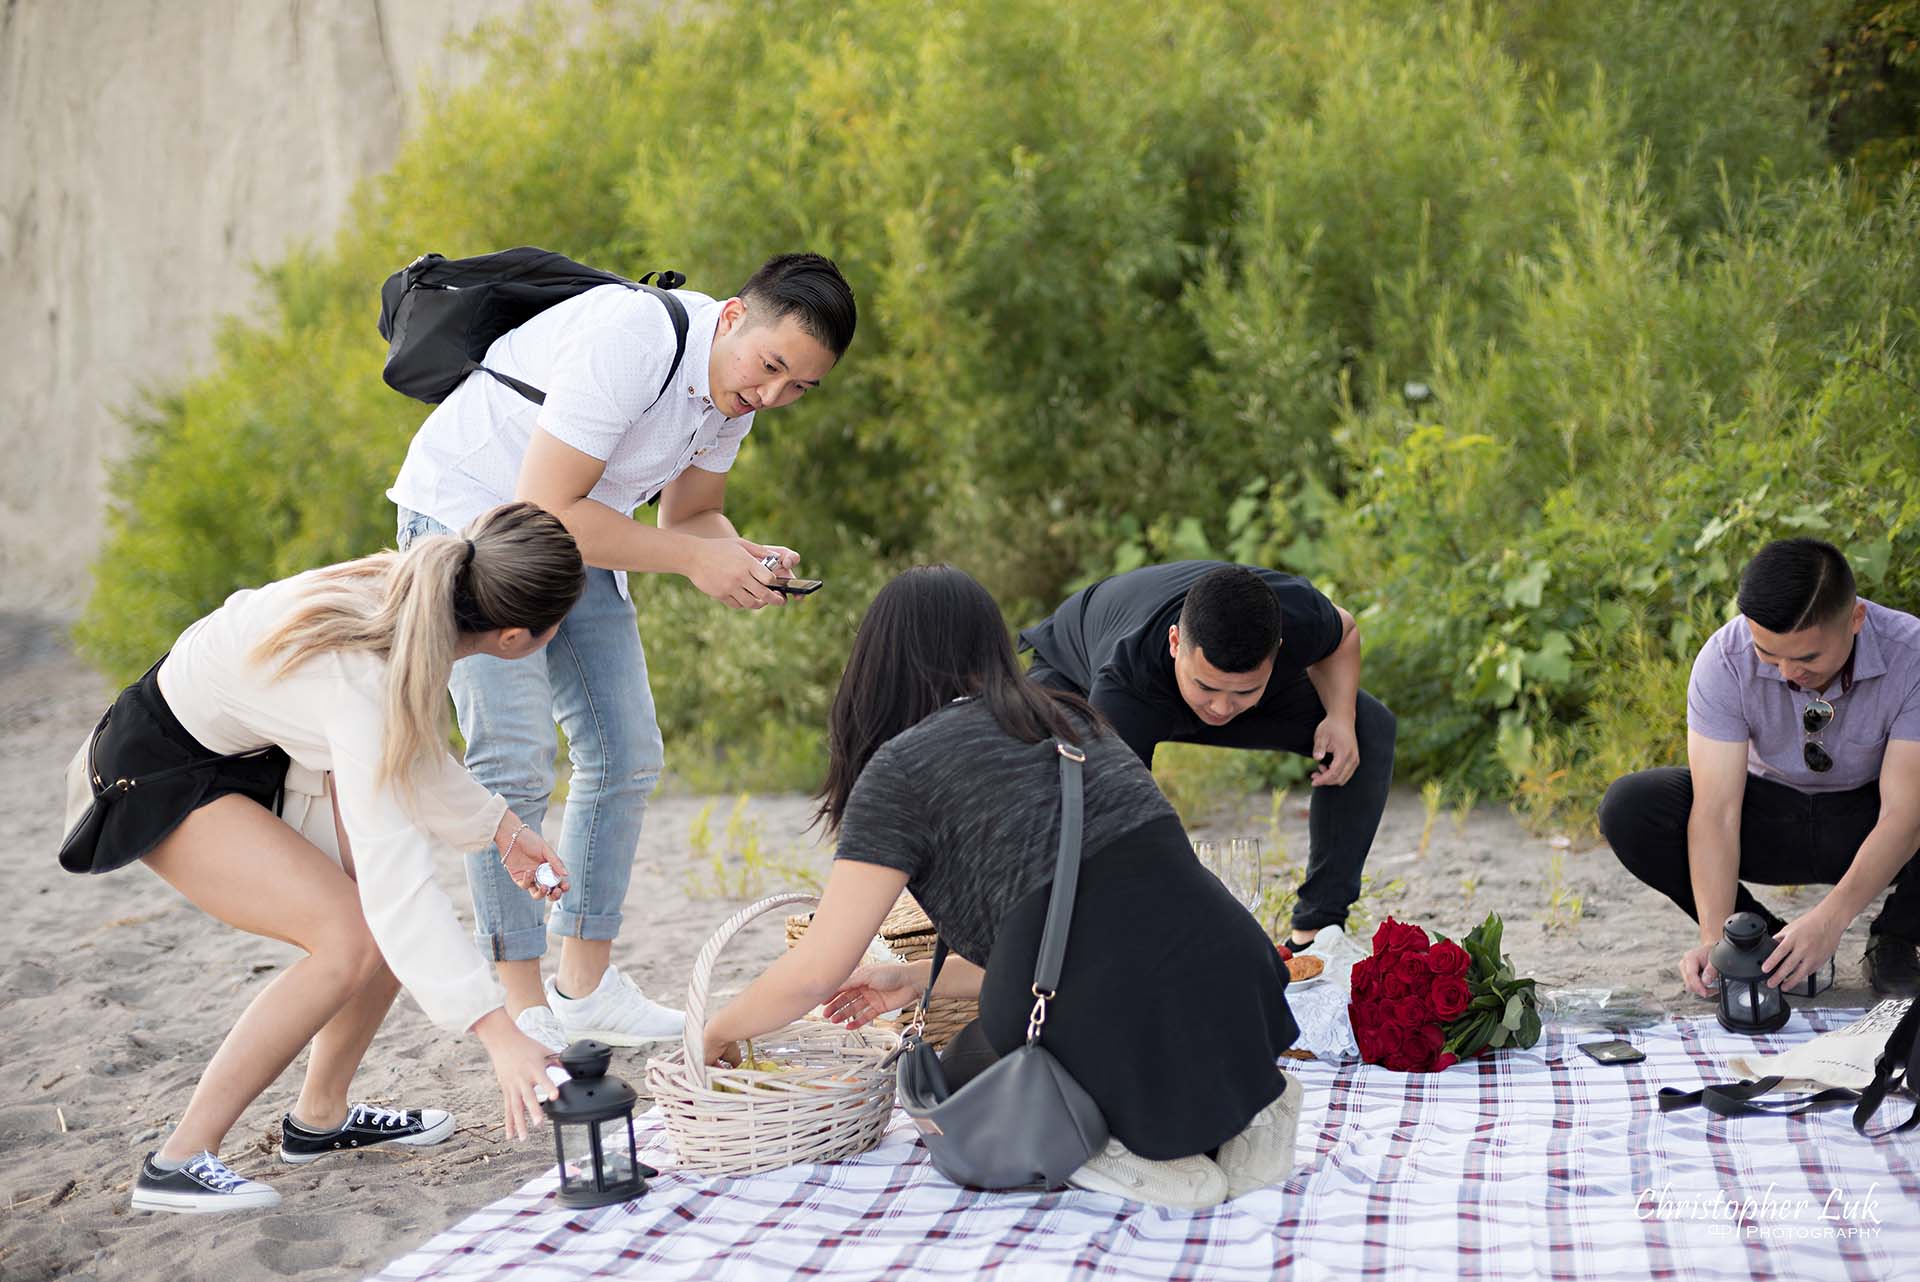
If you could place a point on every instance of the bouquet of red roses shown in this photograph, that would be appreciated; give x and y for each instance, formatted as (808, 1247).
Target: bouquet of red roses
(1419, 1007)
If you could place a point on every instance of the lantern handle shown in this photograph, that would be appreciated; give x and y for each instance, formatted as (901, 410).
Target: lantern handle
(694, 1036)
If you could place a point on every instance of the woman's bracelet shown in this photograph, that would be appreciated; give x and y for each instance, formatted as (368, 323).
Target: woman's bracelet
(514, 841)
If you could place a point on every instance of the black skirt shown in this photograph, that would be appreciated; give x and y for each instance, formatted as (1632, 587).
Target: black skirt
(1172, 1007)
(140, 737)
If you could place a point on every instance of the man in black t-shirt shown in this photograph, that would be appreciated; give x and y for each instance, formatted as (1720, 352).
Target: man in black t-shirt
(1235, 656)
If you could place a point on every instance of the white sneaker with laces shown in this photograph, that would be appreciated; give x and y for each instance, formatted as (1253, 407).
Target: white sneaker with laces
(1263, 1153)
(616, 1013)
(543, 1026)
(1185, 1183)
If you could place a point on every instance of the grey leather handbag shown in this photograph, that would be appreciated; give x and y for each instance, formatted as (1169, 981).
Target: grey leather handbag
(1024, 1122)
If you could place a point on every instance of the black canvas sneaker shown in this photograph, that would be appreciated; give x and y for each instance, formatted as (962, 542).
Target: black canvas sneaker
(367, 1126)
(1892, 965)
(201, 1185)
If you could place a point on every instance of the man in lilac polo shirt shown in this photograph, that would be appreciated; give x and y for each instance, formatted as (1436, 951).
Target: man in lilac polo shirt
(1803, 768)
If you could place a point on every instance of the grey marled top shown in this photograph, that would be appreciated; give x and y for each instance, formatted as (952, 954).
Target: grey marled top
(972, 816)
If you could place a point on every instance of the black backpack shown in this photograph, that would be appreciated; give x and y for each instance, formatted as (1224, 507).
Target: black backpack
(440, 315)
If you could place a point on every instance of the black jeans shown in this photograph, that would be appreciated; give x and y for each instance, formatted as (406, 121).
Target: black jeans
(1342, 821)
(1787, 838)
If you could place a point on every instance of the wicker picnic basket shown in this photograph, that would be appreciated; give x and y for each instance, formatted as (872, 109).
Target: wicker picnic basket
(909, 933)
(832, 1097)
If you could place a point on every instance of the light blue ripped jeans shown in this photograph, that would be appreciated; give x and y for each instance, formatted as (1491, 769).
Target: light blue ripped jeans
(592, 680)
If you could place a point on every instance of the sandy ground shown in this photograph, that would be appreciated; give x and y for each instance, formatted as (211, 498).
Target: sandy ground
(115, 992)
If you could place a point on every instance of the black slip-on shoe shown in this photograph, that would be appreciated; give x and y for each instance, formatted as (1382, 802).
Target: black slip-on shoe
(1893, 966)
(367, 1126)
(203, 1184)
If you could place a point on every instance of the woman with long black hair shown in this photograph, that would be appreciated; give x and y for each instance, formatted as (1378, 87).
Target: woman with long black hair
(942, 779)
(340, 672)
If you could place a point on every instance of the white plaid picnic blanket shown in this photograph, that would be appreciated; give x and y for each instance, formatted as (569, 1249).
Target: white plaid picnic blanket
(1536, 1164)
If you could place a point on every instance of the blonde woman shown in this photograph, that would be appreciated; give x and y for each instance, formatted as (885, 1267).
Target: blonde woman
(343, 671)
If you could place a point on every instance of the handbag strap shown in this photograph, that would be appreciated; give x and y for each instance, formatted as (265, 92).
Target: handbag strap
(1066, 872)
(1066, 882)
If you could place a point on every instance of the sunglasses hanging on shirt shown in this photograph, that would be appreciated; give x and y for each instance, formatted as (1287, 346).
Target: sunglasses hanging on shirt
(1817, 716)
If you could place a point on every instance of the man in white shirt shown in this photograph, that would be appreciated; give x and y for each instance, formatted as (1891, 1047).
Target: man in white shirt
(622, 425)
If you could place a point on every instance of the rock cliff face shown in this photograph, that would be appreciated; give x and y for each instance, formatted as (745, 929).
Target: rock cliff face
(150, 152)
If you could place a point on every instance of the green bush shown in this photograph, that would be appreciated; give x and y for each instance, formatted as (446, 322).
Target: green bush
(1868, 80)
(1516, 325)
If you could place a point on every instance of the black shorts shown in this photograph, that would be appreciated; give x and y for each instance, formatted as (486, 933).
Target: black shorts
(139, 737)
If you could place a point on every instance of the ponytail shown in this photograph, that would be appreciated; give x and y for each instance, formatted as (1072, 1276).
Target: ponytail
(518, 568)
(420, 598)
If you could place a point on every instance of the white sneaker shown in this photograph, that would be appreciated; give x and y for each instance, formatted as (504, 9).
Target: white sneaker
(1185, 1183)
(543, 1026)
(1263, 1153)
(616, 1013)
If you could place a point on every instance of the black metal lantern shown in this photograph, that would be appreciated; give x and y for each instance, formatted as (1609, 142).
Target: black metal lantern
(592, 1116)
(1747, 1005)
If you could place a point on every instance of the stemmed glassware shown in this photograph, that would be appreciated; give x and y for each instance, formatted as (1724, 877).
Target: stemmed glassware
(1236, 862)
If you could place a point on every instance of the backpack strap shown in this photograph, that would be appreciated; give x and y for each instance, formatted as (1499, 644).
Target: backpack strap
(527, 390)
(1897, 1064)
(676, 315)
(1896, 1058)
(1741, 1099)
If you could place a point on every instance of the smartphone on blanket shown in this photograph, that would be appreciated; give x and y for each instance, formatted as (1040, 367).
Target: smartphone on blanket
(1614, 1052)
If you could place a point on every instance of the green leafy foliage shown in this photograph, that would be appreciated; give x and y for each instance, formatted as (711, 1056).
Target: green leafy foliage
(1503, 1010)
(1868, 77)
(1517, 326)
(739, 863)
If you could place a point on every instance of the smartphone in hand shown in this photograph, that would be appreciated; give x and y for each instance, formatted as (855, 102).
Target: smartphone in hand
(796, 587)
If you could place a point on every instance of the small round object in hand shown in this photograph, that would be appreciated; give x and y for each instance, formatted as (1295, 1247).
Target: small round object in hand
(546, 876)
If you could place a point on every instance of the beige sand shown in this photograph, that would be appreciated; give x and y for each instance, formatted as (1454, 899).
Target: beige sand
(115, 992)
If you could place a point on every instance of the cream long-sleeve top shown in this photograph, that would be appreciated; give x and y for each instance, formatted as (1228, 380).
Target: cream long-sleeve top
(328, 715)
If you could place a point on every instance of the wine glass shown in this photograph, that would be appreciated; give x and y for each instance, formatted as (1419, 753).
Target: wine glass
(1237, 865)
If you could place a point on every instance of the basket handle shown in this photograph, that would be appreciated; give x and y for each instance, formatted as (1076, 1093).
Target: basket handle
(694, 1035)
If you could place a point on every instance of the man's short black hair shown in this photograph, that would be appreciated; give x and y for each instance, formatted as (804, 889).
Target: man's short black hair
(1796, 583)
(810, 287)
(1233, 617)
